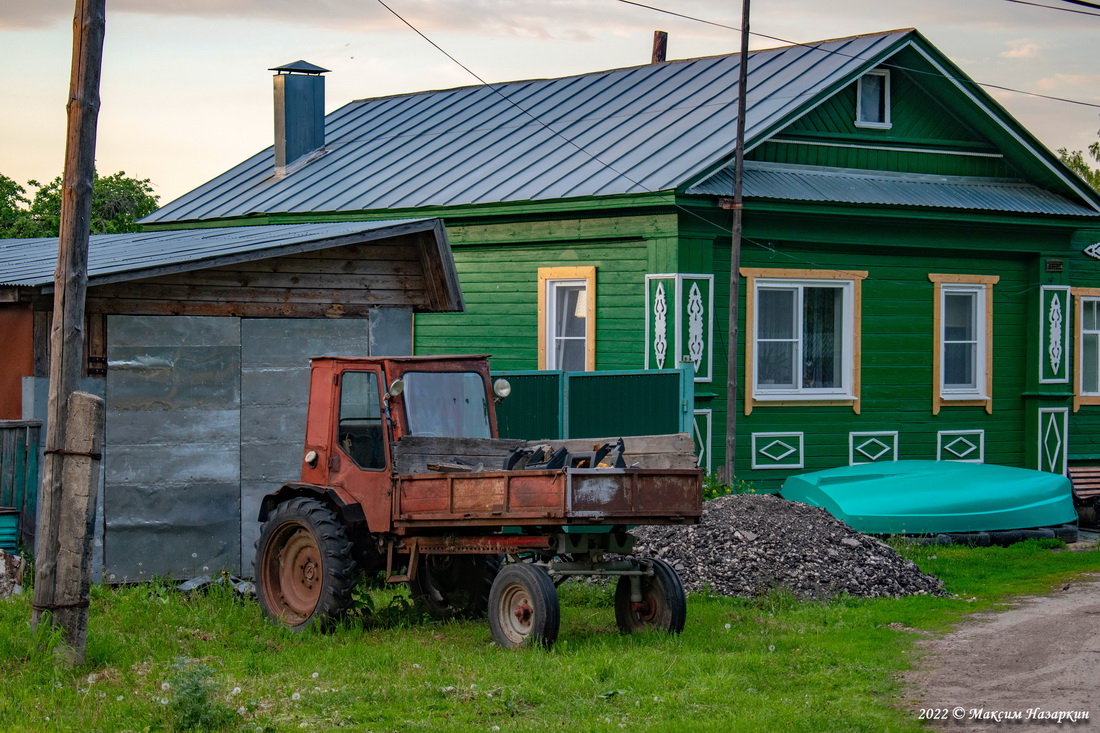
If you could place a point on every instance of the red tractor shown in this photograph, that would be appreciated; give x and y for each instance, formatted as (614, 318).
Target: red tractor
(402, 472)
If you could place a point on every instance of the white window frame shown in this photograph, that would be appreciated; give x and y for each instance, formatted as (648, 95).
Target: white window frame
(885, 123)
(849, 283)
(981, 286)
(955, 392)
(1080, 395)
(550, 278)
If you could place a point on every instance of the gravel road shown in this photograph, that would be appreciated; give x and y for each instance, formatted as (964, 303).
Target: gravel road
(1015, 670)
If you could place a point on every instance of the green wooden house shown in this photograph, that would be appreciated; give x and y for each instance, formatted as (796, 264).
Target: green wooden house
(919, 275)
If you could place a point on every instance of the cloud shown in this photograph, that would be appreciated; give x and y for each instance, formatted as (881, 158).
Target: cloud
(1021, 48)
(1069, 81)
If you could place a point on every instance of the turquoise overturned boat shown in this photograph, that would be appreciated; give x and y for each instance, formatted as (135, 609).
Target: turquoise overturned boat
(936, 497)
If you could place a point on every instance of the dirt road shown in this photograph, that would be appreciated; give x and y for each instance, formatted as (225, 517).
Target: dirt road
(1017, 670)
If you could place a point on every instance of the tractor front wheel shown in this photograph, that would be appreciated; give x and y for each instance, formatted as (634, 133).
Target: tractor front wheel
(304, 565)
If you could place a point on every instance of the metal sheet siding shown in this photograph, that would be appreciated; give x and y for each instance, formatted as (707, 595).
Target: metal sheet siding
(31, 262)
(845, 186)
(647, 128)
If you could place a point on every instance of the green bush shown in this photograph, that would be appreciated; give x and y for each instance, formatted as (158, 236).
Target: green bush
(713, 487)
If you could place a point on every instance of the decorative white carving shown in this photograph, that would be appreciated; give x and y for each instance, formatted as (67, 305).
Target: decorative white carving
(1054, 347)
(1052, 441)
(779, 450)
(695, 326)
(660, 326)
(961, 447)
(873, 448)
(1093, 250)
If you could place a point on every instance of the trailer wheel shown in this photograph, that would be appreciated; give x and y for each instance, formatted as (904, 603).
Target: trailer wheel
(455, 586)
(304, 566)
(663, 606)
(523, 607)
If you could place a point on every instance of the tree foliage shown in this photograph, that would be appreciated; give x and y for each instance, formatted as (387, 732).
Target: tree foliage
(1082, 167)
(118, 201)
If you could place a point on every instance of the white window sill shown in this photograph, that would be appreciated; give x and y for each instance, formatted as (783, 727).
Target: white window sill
(807, 396)
(874, 125)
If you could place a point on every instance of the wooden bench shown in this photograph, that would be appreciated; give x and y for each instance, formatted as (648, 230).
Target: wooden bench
(1086, 484)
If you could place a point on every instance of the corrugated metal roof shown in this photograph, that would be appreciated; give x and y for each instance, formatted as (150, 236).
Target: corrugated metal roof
(805, 183)
(115, 257)
(646, 128)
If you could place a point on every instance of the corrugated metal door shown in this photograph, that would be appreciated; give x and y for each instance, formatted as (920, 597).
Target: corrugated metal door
(533, 411)
(172, 465)
(554, 404)
(611, 404)
(274, 396)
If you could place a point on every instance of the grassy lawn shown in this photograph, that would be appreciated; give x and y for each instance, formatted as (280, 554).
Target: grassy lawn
(160, 661)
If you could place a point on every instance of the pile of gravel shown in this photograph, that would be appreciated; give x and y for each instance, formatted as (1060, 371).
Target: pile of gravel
(746, 545)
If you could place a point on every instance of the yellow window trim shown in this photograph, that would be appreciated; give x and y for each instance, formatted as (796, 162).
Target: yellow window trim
(588, 274)
(857, 277)
(1078, 307)
(937, 346)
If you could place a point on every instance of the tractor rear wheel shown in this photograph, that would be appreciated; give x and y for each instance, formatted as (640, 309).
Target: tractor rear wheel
(663, 606)
(523, 607)
(304, 565)
(455, 586)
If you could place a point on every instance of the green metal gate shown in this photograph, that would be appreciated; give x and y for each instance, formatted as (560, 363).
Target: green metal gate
(558, 405)
(19, 474)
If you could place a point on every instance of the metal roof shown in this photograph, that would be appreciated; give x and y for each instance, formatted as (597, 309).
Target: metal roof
(646, 128)
(839, 185)
(119, 257)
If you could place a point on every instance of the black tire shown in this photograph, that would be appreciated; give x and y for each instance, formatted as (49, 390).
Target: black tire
(455, 586)
(304, 566)
(523, 607)
(971, 539)
(663, 606)
(1006, 537)
(1037, 534)
(1068, 533)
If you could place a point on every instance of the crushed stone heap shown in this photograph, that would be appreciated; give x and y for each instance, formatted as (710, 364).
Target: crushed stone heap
(747, 544)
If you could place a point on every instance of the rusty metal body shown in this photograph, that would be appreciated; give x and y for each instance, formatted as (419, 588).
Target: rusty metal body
(469, 503)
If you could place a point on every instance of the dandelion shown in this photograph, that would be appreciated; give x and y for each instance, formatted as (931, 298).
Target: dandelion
(91, 679)
(416, 666)
(728, 627)
(119, 698)
(771, 647)
(235, 691)
(495, 727)
(242, 710)
(296, 696)
(163, 701)
(315, 675)
(166, 686)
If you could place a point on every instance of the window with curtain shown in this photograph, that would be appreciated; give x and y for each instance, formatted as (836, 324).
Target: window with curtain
(803, 337)
(873, 99)
(567, 327)
(962, 340)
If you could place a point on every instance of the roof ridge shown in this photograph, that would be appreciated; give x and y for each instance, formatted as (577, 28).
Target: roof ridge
(794, 44)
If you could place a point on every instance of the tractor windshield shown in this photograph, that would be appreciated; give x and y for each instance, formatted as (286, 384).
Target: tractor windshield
(447, 404)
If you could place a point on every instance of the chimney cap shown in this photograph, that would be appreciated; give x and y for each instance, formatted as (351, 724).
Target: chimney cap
(299, 67)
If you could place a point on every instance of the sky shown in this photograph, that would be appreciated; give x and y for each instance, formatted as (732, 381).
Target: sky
(186, 91)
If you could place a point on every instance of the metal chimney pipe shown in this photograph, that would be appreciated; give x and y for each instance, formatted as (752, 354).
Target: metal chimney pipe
(660, 44)
(299, 113)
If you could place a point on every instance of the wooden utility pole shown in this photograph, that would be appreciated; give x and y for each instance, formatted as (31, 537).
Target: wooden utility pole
(732, 372)
(65, 606)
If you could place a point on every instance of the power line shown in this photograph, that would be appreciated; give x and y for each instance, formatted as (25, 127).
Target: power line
(671, 201)
(1053, 7)
(860, 58)
(1082, 2)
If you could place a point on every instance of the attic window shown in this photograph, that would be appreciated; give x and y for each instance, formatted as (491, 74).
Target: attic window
(873, 100)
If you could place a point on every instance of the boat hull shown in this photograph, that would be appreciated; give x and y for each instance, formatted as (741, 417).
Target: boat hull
(933, 497)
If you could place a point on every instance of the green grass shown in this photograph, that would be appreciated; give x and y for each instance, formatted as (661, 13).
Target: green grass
(160, 661)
